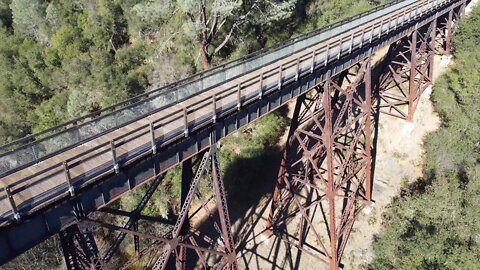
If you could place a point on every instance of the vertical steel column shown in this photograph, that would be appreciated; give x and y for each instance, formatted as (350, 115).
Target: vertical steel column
(330, 190)
(282, 173)
(368, 130)
(413, 74)
(219, 190)
(431, 45)
(187, 176)
(461, 12)
(448, 34)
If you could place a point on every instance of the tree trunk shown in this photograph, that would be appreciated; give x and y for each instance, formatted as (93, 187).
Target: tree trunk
(206, 59)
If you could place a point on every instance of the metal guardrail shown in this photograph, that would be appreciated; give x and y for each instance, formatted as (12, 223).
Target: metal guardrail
(229, 99)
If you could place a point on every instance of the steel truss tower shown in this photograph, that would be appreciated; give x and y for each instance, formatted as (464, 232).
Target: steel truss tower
(407, 69)
(325, 175)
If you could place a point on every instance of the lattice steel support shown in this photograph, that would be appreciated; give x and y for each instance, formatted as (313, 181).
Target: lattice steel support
(325, 175)
(133, 221)
(185, 244)
(445, 29)
(407, 72)
(79, 248)
(182, 236)
(187, 177)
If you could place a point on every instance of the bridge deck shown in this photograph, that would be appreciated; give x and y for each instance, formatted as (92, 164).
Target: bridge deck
(46, 181)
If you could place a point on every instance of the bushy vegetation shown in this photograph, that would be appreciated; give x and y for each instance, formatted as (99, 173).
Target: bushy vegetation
(60, 59)
(435, 224)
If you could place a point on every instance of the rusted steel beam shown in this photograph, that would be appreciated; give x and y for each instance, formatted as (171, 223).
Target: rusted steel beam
(368, 131)
(449, 33)
(187, 178)
(181, 237)
(413, 74)
(407, 71)
(282, 170)
(133, 219)
(326, 166)
(328, 136)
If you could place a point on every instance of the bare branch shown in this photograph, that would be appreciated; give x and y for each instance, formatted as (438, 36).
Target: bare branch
(111, 43)
(164, 44)
(192, 18)
(224, 42)
(213, 29)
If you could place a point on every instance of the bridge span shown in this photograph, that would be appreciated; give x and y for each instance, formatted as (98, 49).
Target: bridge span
(51, 181)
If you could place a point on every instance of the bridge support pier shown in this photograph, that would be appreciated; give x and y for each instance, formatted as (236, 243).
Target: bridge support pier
(182, 236)
(407, 69)
(184, 245)
(325, 175)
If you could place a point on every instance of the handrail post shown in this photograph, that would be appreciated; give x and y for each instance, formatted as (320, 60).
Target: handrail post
(297, 75)
(327, 55)
(68, 177)
(185, 122)
(116, 167)
(340, 48)
(362, 38)
(313, 61)
(239, 96)
(16, 215)
(152, 137)
(34, 152)
(381, 29)
(214, 108)
(351, 44)
(371, 34)
(260, 93)
(280, 71)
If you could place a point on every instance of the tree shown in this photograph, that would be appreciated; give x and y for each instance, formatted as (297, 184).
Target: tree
(5, 13)
(28, 19)
(215, 22)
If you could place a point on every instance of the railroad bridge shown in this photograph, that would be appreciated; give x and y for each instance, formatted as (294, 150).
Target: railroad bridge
(51, 182)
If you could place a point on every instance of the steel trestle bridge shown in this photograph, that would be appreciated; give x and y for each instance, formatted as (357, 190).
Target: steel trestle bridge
(50, 182)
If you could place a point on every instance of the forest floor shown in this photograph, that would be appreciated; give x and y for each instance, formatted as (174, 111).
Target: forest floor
(399, 161)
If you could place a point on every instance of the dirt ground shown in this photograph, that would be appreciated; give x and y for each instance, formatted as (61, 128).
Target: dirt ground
(399, 161)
